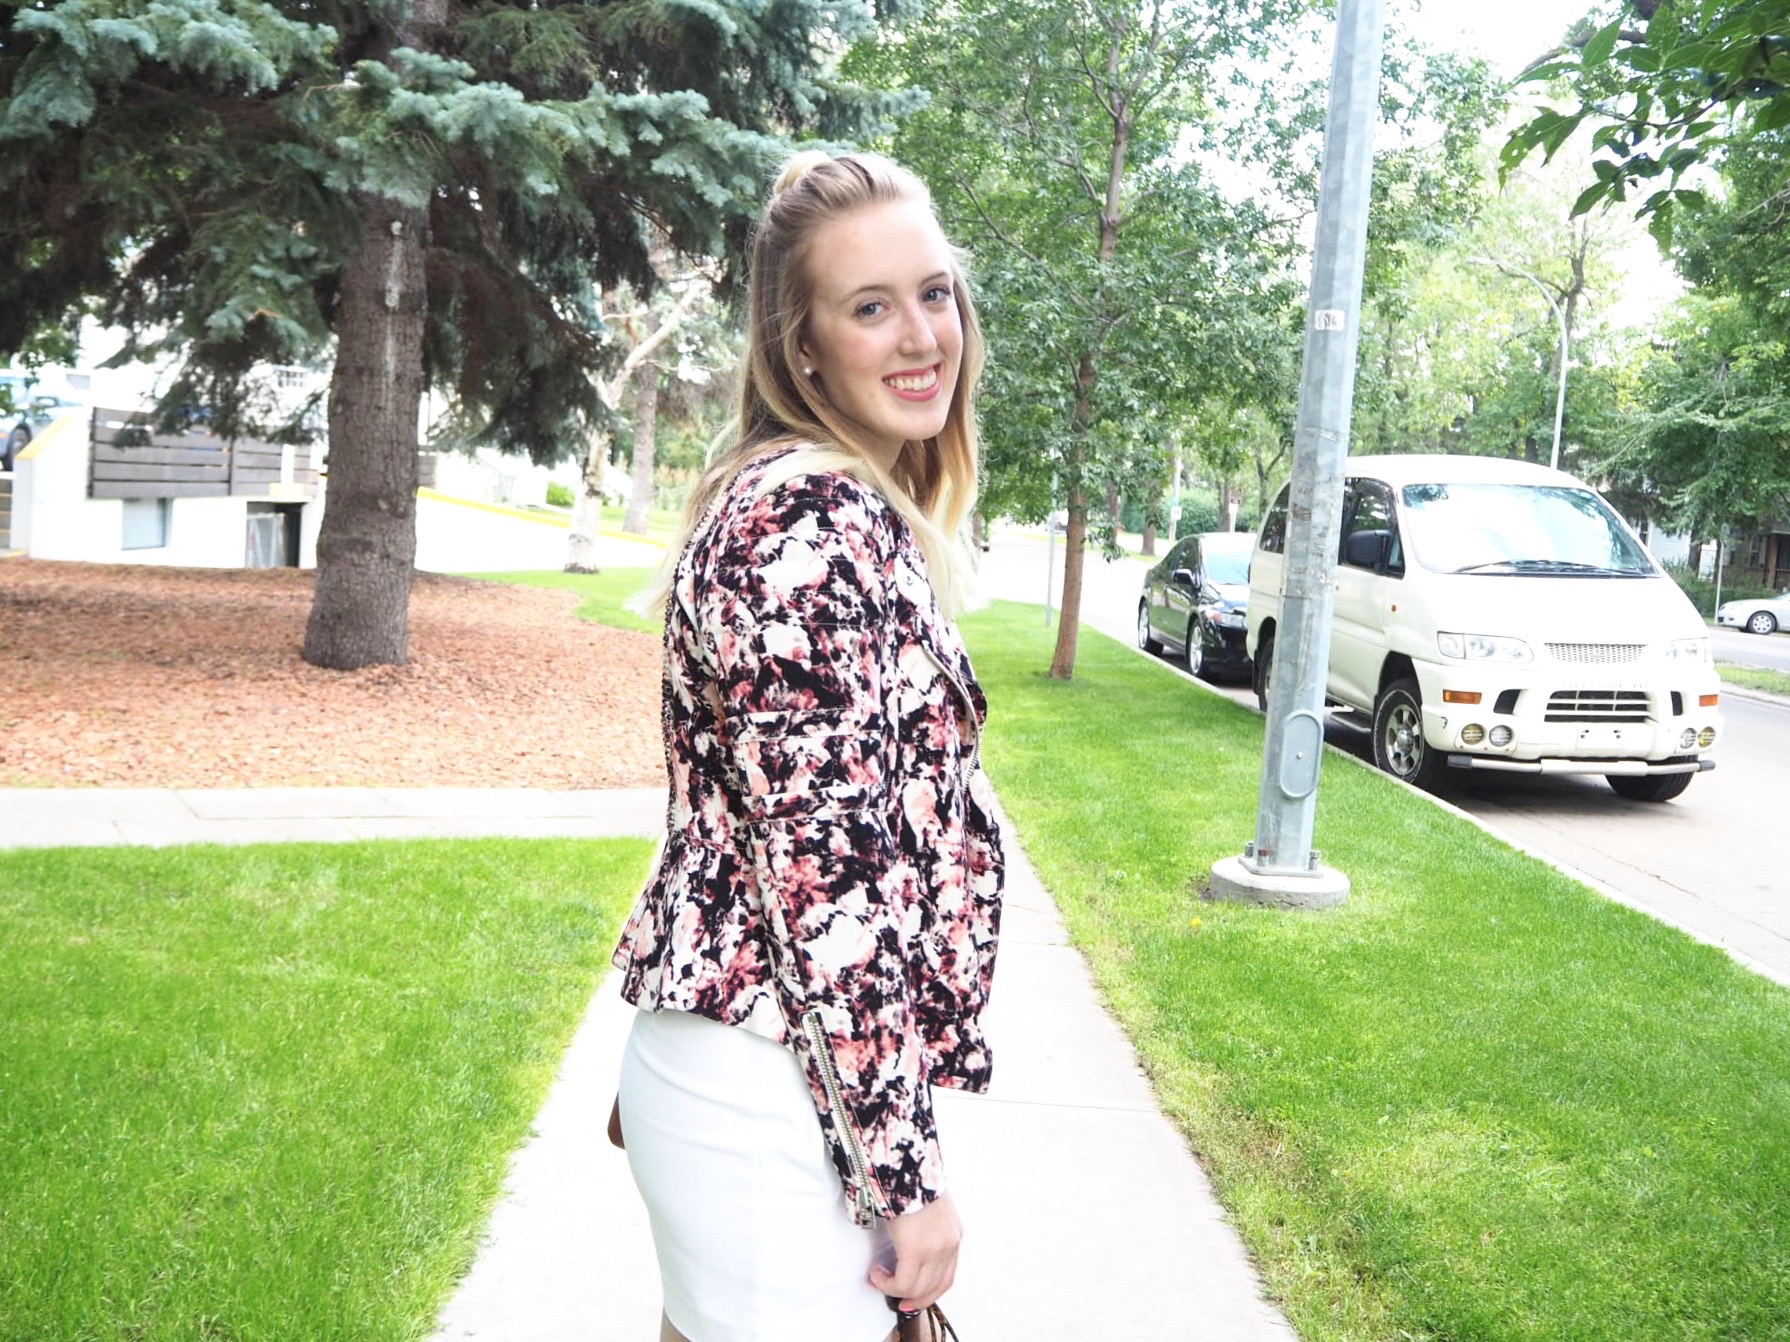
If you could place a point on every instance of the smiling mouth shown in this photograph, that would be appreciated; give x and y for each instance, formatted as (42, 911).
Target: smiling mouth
(914, 384)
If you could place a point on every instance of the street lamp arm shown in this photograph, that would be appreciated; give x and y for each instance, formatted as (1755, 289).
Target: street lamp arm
(1565, 342)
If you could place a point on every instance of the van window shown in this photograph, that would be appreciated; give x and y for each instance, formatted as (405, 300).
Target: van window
(1370, 508)
(1274, 526)
(1550, 530)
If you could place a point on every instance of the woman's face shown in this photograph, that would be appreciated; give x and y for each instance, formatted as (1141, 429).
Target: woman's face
(884, 336)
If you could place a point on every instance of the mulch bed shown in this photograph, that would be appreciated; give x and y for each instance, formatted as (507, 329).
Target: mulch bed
(133, 676)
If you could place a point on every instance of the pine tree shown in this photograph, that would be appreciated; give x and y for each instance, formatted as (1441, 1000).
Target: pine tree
(438, 190)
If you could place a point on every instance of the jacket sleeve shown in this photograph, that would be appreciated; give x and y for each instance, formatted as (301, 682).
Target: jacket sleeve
(803, 659)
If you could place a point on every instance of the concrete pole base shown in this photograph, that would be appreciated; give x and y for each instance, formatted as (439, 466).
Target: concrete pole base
(1321, 888)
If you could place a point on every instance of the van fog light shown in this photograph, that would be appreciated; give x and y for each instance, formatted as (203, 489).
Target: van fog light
(1706, 737)
(1501, 736)
(1687, 738)
(1472, 734)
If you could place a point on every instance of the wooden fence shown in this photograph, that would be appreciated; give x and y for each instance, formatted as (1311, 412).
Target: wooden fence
(132, 461)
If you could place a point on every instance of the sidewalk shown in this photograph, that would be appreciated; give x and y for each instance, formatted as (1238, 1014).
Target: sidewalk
(1085, 1214)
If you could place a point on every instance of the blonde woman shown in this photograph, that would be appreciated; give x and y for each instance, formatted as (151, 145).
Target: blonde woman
(814, 950)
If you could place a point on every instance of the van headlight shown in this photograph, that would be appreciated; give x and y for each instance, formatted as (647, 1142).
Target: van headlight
(1483, 648)
(1687, 650)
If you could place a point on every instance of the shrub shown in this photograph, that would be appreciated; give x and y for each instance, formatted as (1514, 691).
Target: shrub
(558, 495)
(1701, 590)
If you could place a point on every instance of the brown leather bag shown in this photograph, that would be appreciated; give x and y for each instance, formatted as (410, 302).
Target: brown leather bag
(615, 1125)
(926, 1325)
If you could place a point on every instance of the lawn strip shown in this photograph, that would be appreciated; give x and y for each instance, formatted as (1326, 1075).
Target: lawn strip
(604, 593)
(269, 1093)
(1761, 678)
(1477, 1101)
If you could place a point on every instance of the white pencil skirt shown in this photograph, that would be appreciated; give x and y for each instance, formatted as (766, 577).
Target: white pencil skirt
(754, 1240)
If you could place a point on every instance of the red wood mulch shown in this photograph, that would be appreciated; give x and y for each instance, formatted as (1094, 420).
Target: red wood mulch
(128, 676)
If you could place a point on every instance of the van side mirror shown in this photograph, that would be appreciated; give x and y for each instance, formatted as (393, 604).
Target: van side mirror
(1368, 549)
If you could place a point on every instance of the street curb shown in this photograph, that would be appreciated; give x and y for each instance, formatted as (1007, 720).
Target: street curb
(1757, 696)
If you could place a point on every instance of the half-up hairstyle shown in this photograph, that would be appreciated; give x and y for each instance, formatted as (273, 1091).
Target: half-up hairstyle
(933, 483)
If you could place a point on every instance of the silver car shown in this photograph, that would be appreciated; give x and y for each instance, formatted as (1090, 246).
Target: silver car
(1760, 615)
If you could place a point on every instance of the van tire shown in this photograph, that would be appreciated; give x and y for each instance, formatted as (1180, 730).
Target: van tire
(1648, 787)
(1399, 746)
(1262, 668)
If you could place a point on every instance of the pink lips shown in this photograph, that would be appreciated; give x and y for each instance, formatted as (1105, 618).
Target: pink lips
(925, 395)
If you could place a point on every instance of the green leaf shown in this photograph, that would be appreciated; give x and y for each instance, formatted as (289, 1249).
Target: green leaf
(1589, 197)
(1602, 43)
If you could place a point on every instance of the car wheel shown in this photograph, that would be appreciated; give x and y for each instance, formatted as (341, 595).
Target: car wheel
(1649, 787)
(16, 442)
(1146, 637)
(1263, 668)
(1196, 648)
(1761, 622)
(1399, 747)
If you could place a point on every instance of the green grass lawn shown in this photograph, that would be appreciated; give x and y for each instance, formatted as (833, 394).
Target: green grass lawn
(1476, 1102)
(1755, 677)
(268, 1094)
(604, 593)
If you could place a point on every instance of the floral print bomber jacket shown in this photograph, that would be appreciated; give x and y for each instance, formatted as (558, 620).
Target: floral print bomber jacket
(832, 870)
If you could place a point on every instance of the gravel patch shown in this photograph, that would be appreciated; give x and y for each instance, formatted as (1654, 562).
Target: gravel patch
(134, 676)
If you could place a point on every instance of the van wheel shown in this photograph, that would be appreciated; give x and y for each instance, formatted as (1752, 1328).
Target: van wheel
(1263, 668)
(1648, 787)
(1399, 747)
(1146, 637)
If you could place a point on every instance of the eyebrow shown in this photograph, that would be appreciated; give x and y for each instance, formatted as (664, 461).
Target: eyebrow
(866, 288)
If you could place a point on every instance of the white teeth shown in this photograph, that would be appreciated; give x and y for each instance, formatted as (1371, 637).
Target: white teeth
(929, 379)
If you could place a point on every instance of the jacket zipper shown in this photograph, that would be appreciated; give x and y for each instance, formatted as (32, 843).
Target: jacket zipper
(854, 1149)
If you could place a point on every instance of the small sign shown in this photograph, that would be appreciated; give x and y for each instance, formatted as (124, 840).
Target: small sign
(1329, 319)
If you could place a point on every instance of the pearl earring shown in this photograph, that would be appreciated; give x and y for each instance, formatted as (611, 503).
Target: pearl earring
(807, 371)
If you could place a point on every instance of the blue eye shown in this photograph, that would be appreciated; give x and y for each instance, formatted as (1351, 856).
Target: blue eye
(938, 293)
(864, 309)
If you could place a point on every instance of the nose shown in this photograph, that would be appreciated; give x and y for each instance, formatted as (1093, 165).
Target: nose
(916, 330)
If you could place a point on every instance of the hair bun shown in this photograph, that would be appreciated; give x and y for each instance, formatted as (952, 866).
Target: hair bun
(798, 167)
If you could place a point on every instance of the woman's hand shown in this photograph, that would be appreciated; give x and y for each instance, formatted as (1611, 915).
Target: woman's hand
(925, 1255)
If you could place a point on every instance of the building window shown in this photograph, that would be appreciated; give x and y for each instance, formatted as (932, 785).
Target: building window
(146, 523)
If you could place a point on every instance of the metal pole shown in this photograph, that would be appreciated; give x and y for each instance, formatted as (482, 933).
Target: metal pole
(1565, 345)
(1279, 865)
(1720, 551)
(1174, 510)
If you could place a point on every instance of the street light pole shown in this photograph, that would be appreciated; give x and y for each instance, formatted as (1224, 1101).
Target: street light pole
(1565, 342)
(1280, 866)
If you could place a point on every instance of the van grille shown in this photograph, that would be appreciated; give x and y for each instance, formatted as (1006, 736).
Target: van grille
(1597, 706)
(1597, 654)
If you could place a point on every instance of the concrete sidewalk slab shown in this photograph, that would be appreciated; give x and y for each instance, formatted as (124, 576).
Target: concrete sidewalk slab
(160, 817)
(1085, 1214)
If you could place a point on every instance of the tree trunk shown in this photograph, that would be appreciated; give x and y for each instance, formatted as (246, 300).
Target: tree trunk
(646, 425)
(1149, 538)
(581, 549)
(1075, 547)
(1233, 503)
(366, 549)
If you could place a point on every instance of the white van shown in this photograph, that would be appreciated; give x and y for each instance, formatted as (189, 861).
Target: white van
(1495, 614)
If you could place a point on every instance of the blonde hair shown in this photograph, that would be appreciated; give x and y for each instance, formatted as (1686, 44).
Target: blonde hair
(933, 483)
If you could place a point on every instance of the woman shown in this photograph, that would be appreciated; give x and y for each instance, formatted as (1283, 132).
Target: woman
(814, 950)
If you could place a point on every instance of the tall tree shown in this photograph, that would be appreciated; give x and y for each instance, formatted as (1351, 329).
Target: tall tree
(1112, 273)
(436, 191)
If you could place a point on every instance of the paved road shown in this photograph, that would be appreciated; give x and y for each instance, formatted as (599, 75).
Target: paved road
(1703, 862)
(1731, 645)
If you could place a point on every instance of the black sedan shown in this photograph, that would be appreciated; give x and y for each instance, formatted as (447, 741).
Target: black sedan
(1194, 601)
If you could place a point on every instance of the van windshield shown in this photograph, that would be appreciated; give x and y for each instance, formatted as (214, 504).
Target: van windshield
(1548, 530)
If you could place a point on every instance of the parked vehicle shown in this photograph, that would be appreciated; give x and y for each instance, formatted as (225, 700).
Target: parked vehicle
(33, 406)
(1494, 614)
(1761, 615)
(1194, 602)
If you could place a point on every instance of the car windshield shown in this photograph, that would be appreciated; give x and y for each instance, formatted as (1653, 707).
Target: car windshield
(1547, 530)
(1229, 566)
